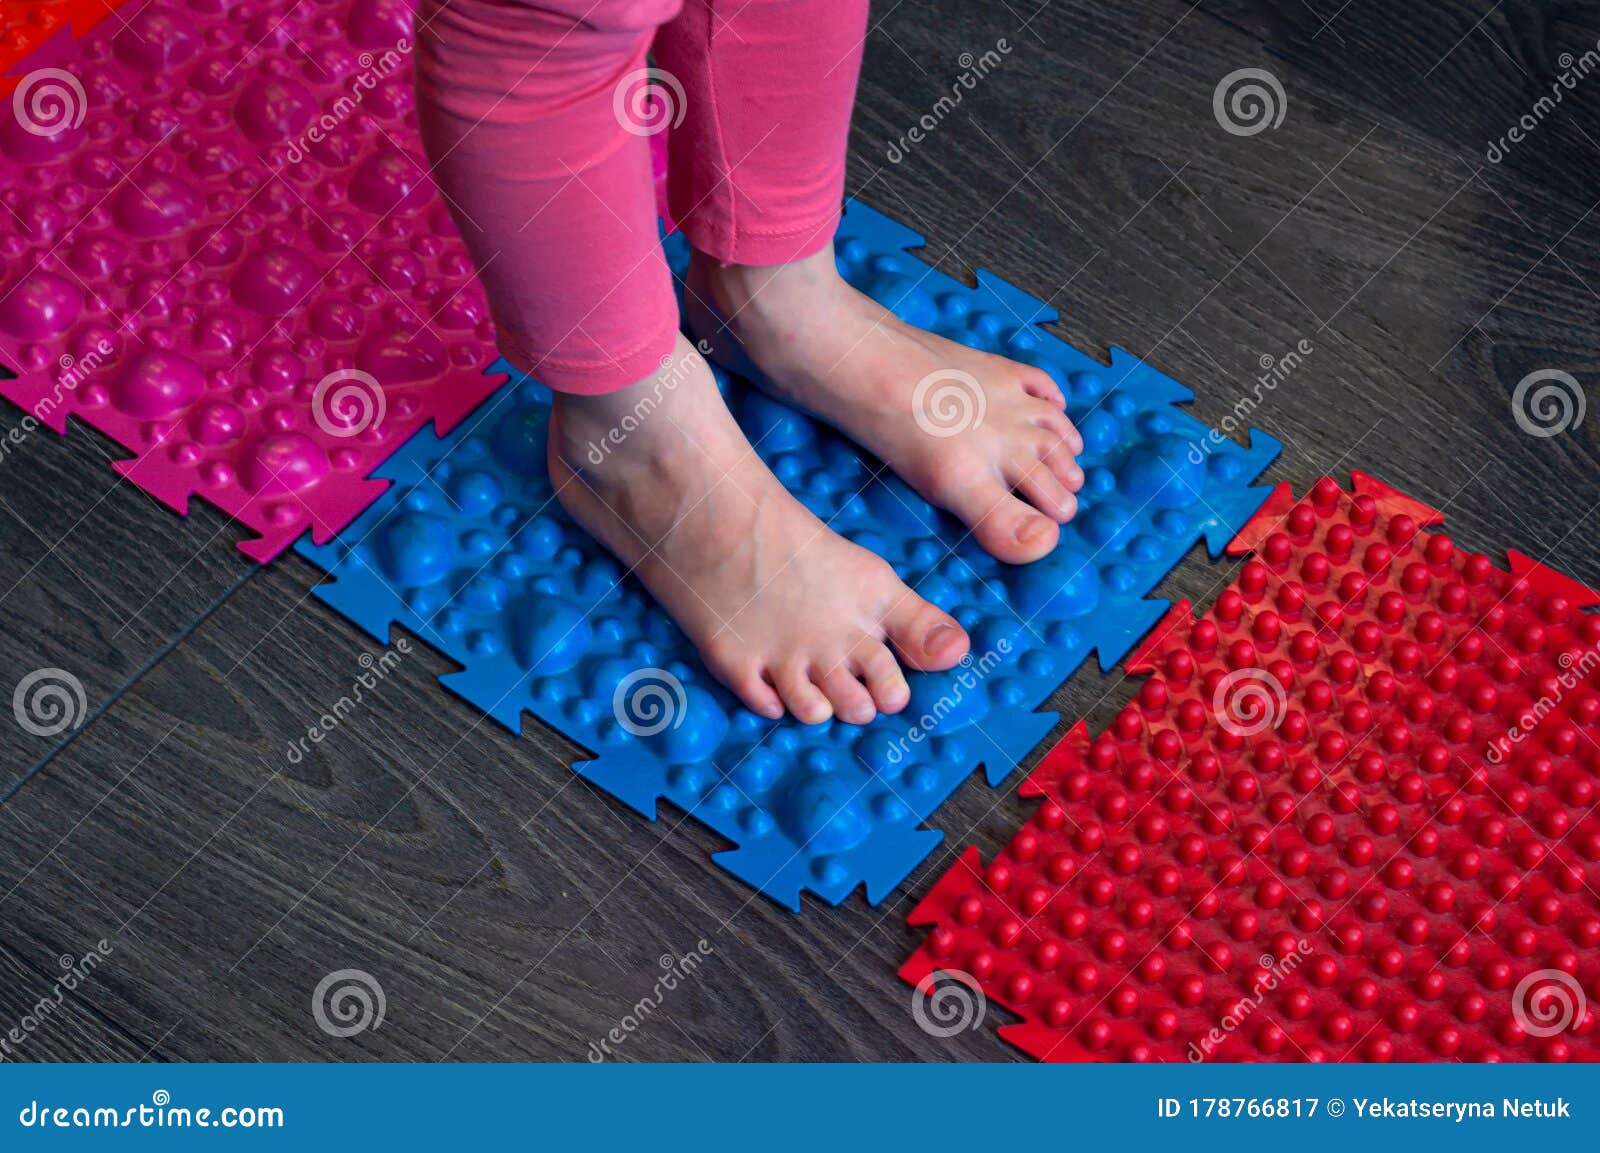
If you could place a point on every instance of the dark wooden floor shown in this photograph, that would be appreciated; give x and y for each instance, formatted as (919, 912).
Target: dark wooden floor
(506, 909)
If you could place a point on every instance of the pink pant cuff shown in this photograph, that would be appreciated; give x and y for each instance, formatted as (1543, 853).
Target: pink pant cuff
(758, 248)
(594, 378)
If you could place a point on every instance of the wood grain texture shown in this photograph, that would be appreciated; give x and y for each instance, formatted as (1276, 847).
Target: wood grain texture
(96, 578)
(507, 910)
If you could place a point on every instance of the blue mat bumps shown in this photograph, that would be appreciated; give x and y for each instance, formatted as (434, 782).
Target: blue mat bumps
(469, 551)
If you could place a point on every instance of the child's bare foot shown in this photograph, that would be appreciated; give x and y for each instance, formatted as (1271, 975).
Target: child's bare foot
(784, 611)
(982, 436)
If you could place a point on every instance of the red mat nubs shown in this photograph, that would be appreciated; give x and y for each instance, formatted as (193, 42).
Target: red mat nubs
(28, 26)
(1351, 816)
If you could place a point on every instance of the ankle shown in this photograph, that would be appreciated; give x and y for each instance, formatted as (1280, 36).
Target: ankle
(592, 430)
(739, 288)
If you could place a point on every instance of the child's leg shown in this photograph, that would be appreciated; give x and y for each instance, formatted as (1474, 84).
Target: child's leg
(757, 165)
(554, 198)
(756, 180)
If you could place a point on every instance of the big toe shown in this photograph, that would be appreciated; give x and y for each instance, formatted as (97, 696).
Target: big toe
(1008, 528)
(926, 637)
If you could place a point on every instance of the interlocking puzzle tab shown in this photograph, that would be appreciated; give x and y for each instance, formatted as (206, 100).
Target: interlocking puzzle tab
(257, 305)
(38, 33)
(470, 552)
(1352, 815)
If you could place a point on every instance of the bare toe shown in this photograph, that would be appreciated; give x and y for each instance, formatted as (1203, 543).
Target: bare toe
(852, 703)
(786, 614)
(1007, 528)
(1044, 490)
(927, 637)
(1060, 435)
(881, 672)
(803, 698)
(757, 693)
(1064, 433)
(1038, 383)
(1060, 461)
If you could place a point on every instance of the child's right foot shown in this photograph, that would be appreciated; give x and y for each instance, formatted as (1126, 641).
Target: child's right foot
(785, 612)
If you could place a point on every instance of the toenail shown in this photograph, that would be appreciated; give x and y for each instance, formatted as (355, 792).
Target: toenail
(936, 638)
(1032, 528)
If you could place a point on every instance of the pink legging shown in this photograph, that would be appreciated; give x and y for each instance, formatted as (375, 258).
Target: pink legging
(530, 114)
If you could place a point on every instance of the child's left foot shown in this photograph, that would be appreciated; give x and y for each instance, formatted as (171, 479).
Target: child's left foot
(984, 437)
